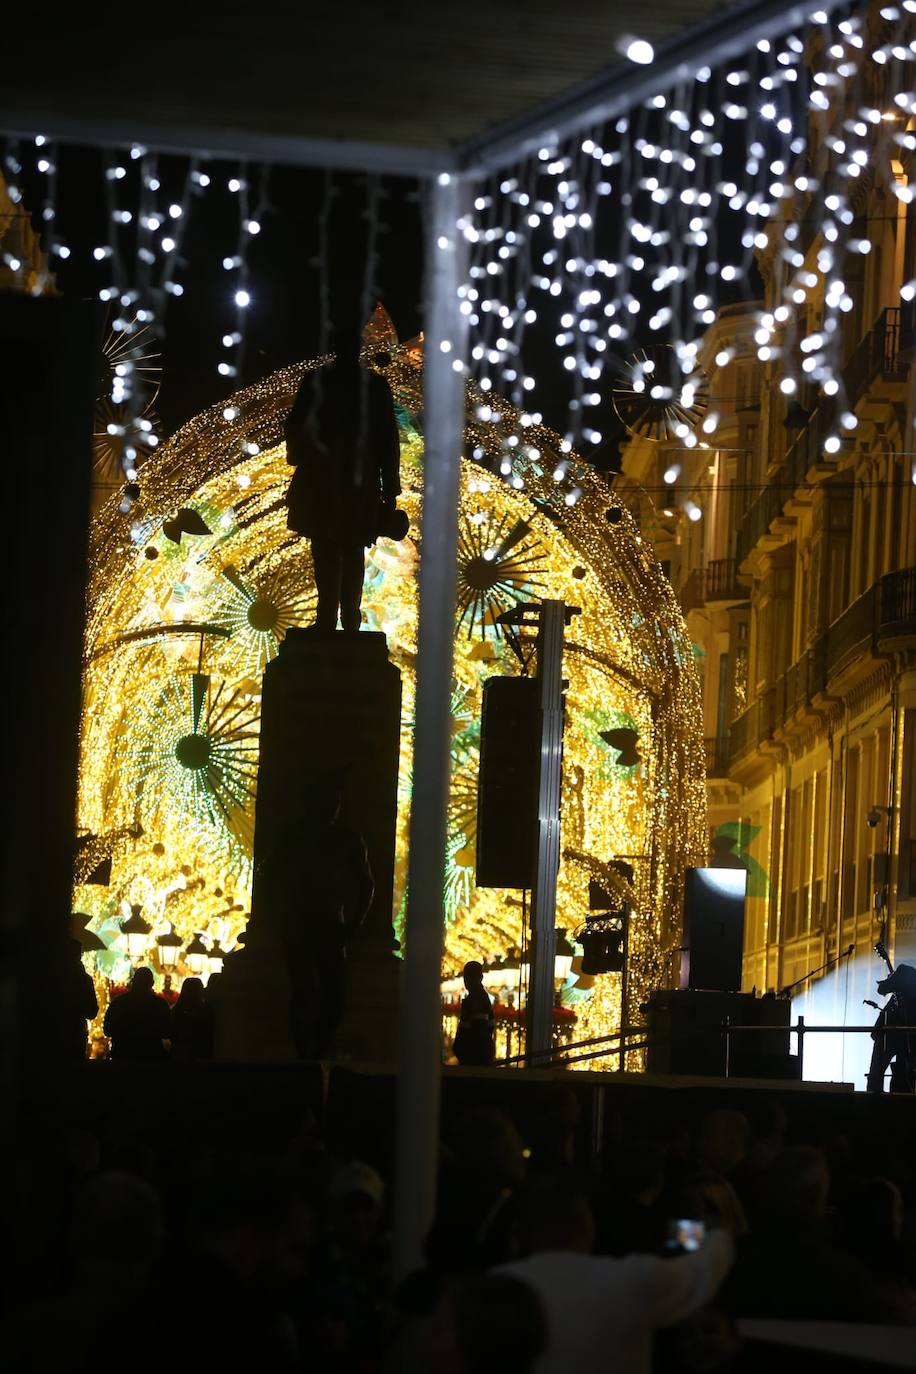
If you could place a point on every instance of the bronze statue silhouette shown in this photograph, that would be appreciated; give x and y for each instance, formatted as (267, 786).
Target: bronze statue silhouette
(342, 439)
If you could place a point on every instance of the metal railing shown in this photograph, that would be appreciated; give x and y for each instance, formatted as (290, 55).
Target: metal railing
(886, 610)
(753, 726)
(690, 593)
(717, 756)
(898, 602)
(722, 582)
(800, 1029)
(631, 1038)
(853, 630)
(882, 352)
(761, 513)
(803, 453)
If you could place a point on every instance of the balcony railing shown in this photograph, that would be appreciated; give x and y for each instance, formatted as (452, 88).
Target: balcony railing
(898, 601)
(718, 581)
(883, 352)
(888, 609)
(760, 515)
(690, 592)
(722, 582)
(804, 451)
(717, 756)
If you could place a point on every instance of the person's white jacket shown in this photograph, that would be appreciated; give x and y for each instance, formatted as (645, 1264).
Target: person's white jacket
(601, 1312)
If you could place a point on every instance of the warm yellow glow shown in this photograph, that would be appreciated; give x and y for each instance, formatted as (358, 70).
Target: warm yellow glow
(159, 613)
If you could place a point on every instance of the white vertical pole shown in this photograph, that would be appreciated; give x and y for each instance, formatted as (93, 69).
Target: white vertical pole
(420, 1036)
(544, 898)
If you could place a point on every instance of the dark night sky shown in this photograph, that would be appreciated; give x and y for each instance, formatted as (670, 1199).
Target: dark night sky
(283, 320)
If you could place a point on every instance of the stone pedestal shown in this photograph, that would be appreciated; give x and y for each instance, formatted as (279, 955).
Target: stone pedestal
(331, 704)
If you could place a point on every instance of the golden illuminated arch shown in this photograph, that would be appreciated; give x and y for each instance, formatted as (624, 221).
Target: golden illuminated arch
(179, 630)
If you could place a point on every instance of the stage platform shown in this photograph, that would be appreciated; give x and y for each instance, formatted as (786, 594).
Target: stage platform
(260, 1107)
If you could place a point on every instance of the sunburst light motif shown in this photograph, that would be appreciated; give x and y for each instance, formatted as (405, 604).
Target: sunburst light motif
(195, 749)
(498, 566)
(140, 352)
(656, 400)
(258, 611)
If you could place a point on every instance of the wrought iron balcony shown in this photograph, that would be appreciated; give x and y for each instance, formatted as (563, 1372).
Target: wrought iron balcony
(884, 352)
(898, 603)
(717, 582)
(886, 611)
(760, 515)
(690, 592)
(717, 756)
(722, 581)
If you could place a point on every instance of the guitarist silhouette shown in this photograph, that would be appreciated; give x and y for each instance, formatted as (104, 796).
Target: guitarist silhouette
(890, 1044)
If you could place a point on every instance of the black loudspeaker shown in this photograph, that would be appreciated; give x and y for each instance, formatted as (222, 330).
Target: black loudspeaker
(713, 929)
(686, 1035)
(507, 790)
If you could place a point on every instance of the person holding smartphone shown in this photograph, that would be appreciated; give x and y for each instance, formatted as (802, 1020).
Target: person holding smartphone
(596, 1304)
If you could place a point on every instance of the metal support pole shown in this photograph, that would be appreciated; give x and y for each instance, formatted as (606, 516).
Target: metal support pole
(544, 897)
(420, 1036)
(801, 1047)
(624, 989)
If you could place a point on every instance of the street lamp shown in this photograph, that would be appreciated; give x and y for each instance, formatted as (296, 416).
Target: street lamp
(216, 955)
(168, 946)
(136, 933)
(197, 954)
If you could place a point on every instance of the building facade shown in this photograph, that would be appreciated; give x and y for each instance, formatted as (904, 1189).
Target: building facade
(796, 569)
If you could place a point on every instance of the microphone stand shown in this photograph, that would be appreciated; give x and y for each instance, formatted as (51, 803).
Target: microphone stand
(844, 954)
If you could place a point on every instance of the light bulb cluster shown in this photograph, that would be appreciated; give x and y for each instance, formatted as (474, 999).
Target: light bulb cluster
(640, 231)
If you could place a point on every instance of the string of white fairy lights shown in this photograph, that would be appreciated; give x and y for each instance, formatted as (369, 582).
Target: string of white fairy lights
(141, 254)
(631, 232)
(760, 159)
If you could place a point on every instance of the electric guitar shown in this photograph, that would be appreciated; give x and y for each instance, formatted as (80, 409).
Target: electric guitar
(892, 1013)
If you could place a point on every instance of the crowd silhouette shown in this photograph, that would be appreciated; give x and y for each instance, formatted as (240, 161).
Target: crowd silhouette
(276, 1244)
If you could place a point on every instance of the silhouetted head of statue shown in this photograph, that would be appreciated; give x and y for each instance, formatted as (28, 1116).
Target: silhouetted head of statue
(142, 980)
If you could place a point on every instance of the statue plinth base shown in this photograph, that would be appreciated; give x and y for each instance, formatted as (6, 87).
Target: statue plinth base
(331, 705)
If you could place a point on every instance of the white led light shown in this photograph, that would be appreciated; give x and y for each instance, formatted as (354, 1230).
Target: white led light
(637, 50)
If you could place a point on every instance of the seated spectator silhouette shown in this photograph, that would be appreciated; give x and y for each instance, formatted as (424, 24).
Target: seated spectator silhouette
(596, 1305)
(80, 1003)
(629, 1211)
(478, 1315)
(248, 1251)
(789, 1214)
(191, 1025)
(138, 1021)
(475, 1041)
(115, 1244)
(481, 1175)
